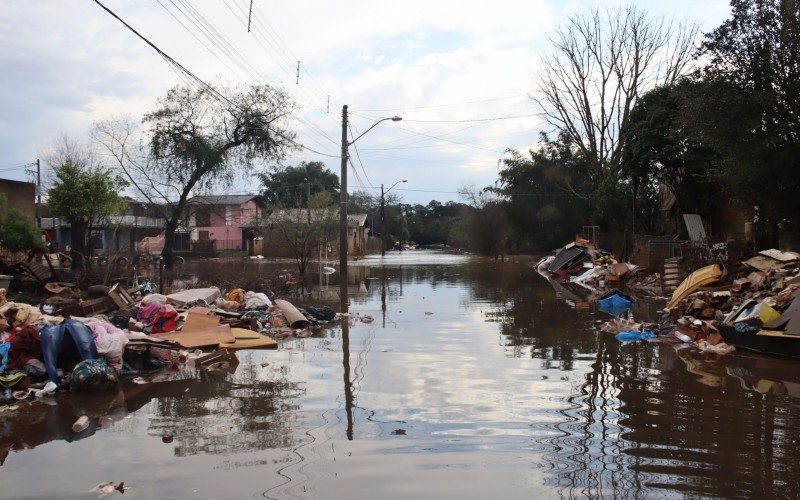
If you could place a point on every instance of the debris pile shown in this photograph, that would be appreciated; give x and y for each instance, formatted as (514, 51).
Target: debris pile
(582, 263)
(90, 345)
(753, 307)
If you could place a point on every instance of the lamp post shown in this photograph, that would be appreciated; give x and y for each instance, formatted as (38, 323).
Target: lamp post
(343, 205)
(383, 217)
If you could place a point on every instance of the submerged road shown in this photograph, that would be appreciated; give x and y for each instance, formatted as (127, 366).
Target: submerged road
(474, 380)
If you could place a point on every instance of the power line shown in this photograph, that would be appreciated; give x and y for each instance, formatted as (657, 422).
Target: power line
(227, 49)
(358, 156)
(17, 167)
(442, 105)
(474, 119)
(478, 192)
(191, 32)
(196, 79)
(279, 40)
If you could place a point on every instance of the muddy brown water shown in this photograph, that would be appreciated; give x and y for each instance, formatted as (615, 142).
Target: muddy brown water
(503, 391)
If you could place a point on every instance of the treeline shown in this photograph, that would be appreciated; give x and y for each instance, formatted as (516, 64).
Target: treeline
(644, 110)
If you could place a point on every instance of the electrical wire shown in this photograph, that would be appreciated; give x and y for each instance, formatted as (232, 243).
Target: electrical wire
(196, 79)
(358, 156)
(496, 118)
(226, 48)
(442, 105)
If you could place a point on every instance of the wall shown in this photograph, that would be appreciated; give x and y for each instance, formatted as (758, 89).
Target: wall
(21, 195)
(226, 222)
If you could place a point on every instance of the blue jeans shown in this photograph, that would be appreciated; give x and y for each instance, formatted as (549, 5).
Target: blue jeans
(69, 342)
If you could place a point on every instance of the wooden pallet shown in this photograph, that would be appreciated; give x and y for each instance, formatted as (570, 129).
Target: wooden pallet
(674, 272)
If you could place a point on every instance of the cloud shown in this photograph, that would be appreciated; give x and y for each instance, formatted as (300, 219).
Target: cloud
(414, 58)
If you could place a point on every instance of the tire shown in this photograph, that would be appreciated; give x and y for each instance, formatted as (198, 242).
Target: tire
(179, 261)
(121, 261)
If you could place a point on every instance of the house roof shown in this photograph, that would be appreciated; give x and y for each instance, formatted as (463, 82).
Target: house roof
(222, 199)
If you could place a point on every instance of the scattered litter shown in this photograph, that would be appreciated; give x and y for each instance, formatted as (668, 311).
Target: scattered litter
(104, 489)
(81, 424)
(721, 348)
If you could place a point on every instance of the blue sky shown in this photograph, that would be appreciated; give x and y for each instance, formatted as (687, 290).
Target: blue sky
(67, 63)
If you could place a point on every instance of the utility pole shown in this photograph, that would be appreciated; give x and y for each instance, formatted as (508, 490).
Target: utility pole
(38, 193)
(383, 224)
(343, 204)
(343, 218)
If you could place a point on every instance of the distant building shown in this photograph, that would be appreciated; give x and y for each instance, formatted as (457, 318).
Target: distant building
(21, 195)
(117, 234)
(217, 220)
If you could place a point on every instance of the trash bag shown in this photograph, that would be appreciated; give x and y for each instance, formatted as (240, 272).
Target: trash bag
(634, 336)
(323, 313)
(615, 304)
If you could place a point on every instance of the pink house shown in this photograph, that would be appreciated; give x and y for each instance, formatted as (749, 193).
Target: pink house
(219, 219)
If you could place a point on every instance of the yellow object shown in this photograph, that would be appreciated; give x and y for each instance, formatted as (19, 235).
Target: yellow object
(701, 277)
(767, 314)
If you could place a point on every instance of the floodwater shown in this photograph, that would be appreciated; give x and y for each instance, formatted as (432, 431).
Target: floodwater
(473, 381)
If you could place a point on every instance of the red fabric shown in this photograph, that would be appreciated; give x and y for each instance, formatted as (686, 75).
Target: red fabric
(24, 347)
(166, 321)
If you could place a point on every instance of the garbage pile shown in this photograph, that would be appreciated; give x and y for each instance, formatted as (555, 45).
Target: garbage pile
(89, 346)
(753, 307)
(582, 263)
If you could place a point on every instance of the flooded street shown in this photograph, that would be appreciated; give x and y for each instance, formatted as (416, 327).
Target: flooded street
(474, 380)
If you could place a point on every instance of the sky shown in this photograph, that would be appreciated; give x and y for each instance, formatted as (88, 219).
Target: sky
(459, 73)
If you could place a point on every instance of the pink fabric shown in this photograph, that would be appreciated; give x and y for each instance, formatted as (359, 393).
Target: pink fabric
(110, 342)
(147, 313)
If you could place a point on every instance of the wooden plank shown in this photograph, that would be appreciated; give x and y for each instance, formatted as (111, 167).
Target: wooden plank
(208, 337)
(199, 319)
(778, 333)
(259, 343)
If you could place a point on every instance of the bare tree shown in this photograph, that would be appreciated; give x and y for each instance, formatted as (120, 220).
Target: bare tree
(199, 139)
(600, 66)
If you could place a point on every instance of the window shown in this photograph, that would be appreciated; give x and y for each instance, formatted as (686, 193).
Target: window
(203, 216)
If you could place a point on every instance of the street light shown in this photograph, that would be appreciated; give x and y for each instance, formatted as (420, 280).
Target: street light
(383, 217)
(343, 205)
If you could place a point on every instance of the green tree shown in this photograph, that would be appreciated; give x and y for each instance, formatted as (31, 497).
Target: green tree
(432, 223)
(547, 194)
(664, 145)
(750, 113)
(485, 229)
(290, 186)
(199, 139)
(18, 232)
(84, 196)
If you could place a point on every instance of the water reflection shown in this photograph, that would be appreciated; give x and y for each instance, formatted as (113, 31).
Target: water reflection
(475, 379)
(216, 414)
